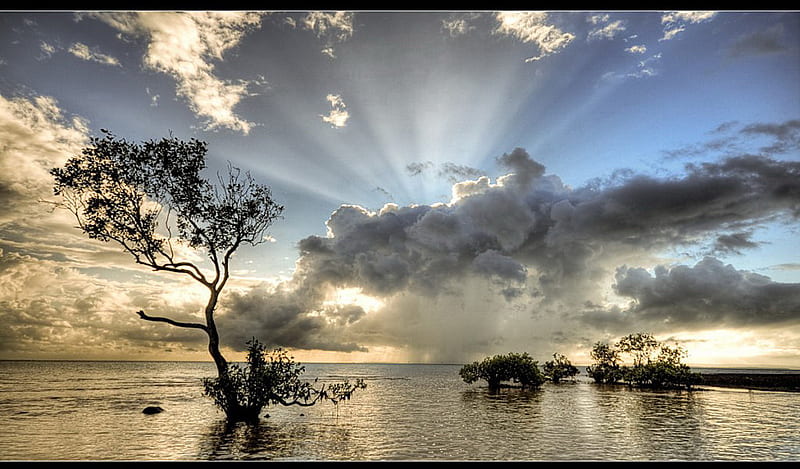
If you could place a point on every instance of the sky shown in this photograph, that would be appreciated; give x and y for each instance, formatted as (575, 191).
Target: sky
(456, 184)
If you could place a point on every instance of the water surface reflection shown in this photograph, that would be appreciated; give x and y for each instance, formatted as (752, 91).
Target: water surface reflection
(75, 411)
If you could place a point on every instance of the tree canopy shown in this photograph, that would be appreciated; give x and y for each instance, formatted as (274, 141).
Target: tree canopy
(152, 197)
(513, 367)
(559, 368)
(154, 201)
(654, 364)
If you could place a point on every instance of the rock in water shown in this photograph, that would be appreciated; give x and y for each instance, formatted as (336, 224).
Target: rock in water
(152, 410)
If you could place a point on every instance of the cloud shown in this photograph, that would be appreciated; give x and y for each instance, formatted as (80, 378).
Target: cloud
(153, 98)
(768, 41)
(608, 31)
(37, 136)
(597, 19)
(734, 243)
(532, 27)
(458, 24)
(448, 170)
(53, 311)
(785, 136)
(185, 45)
(519, 259)
(524, 168)
(676, 21)
(333, 27)
(767, 138)
(526, 244)
(687, 17)
(638, 49)
(457, 172)
(63, 295)
(338, 115)
(47, 50)
(82, 51)
(417, 168)
(710, 294)
(644, 69)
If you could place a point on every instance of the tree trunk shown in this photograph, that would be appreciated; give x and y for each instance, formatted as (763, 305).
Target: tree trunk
(213, 336)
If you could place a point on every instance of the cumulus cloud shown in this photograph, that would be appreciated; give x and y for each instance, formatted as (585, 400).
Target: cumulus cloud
(675, 21)
(84, 52)
(533, 27)
(709, 294)
(63, 295)
(517, 259)
(37, 136)
(54, 311)
(338, 115)
(185, 45)
(523, 242)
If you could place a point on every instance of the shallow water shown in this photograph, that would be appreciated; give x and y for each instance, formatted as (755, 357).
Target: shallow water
(92, 411)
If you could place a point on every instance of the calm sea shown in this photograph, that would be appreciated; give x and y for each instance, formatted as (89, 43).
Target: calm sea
(93, 411)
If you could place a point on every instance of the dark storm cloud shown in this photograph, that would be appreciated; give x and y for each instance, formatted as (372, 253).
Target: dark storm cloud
(521, 164)
(769, 41)
(708, 294)
(286, 319)
(734, 243)
(529, 233)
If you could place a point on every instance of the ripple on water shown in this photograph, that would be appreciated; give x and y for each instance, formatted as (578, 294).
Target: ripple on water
(93, 411)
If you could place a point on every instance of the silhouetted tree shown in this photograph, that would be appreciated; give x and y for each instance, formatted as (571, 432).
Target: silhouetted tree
(151, 198)
(270, 378)
(515, 367)
(654, 364)
(559, 368)
(606, 367)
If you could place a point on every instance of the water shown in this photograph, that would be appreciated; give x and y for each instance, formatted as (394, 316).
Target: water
(92, 411)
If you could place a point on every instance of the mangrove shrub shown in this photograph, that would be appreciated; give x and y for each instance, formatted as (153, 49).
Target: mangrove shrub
(517, 368)
(269, 378)
(654, 364)
(559, 368)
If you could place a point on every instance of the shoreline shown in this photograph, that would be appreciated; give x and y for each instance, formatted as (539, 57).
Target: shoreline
(789, 382)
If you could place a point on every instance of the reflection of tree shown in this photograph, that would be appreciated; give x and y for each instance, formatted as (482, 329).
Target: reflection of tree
(499, 404)
(259, 440)
(311, 438)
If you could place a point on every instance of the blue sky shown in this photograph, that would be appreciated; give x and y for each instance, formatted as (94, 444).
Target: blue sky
(364, 109)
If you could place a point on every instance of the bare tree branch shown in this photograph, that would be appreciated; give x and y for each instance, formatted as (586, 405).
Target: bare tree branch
(191, 325)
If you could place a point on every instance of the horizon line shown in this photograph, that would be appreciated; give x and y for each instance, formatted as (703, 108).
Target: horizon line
(705, 365)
